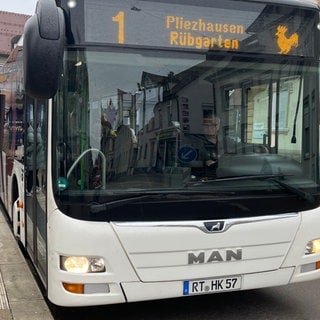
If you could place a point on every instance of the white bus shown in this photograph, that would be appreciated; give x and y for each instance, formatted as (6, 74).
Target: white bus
(157, 149)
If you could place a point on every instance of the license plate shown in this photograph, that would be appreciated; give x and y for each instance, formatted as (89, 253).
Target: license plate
(211, 285)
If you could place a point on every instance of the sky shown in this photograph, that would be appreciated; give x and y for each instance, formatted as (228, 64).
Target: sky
(18, 6)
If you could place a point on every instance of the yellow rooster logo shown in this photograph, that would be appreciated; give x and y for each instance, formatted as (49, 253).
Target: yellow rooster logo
(285, 44)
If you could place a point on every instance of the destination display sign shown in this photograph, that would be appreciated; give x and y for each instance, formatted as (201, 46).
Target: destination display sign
(237, 26)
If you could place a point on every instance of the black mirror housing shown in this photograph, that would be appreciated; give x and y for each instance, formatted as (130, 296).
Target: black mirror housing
(43, 43)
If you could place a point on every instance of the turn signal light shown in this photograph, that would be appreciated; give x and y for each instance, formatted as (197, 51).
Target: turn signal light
(77, 288)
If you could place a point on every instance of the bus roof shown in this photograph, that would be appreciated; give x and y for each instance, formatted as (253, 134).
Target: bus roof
(300, 3)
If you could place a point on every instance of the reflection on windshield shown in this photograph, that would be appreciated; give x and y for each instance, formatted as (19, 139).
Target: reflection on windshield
(128, 121)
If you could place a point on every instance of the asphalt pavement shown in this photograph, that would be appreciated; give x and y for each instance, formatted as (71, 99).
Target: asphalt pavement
(20, 296)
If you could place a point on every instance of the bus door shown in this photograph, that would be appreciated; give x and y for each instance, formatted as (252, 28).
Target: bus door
(35, 183)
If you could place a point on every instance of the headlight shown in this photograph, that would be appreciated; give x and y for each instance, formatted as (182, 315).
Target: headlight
(313, 247)
(82, 264)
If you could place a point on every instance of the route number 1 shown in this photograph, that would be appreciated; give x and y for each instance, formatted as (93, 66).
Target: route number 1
(120, 19)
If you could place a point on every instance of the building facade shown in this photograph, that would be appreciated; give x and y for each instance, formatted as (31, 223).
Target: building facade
(11, 27)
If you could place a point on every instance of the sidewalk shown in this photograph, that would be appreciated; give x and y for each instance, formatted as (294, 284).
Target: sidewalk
(20, 297)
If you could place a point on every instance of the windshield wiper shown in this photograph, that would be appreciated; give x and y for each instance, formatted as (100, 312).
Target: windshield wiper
(236, 178)
(277, 178)
(101, 207)
(307, 196)
(131, 198)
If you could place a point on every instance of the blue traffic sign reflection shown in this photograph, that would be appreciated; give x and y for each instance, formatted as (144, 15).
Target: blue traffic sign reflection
(187, 154)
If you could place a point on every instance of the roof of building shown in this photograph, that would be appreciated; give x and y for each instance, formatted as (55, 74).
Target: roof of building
(11, 25)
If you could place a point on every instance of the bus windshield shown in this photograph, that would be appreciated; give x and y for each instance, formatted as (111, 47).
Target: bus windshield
(215, 103)
(142, 121)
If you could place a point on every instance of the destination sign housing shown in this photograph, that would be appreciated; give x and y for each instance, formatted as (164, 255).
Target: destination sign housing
(252, 28)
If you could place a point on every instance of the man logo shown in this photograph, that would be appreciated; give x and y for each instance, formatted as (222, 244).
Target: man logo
(213, 256)
(215, 226)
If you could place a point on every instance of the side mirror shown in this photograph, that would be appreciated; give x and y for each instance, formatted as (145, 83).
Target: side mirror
(43, 43)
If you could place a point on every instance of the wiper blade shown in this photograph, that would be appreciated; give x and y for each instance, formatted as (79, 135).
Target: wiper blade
(299, 192)
(101, 207)
(236, 178)
(132, 198)
(277, 178)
